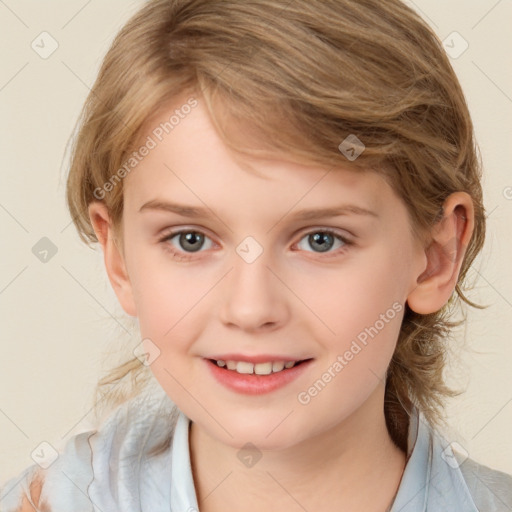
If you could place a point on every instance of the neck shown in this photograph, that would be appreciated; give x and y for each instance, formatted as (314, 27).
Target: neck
(354, 465)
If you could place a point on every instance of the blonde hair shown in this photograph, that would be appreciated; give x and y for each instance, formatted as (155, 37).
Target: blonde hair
(298, 77)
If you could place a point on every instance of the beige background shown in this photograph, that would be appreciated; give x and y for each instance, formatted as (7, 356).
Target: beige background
(60, 318)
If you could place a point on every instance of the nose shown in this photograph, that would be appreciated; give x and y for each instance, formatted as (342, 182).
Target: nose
(254, 299)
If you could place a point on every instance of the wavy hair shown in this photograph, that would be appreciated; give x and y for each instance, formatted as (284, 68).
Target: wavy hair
(295, 78)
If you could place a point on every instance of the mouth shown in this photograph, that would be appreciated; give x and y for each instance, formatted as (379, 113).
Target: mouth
(263, 368)
(260, 375)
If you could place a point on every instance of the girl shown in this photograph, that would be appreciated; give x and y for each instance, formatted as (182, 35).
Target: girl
(288, 199)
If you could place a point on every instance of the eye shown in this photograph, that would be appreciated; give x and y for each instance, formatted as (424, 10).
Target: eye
(183, 243)
(323, 240)
(186, 241)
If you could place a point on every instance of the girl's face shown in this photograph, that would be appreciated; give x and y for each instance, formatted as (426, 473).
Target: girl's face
(276, 262)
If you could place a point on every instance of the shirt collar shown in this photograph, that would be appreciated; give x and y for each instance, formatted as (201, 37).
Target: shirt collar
(412, 491)
(183, 494)
(431, 480)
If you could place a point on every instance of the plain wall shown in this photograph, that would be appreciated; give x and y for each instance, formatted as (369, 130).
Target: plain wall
(61, 323)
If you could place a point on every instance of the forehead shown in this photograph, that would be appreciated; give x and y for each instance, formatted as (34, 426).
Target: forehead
(189, 162)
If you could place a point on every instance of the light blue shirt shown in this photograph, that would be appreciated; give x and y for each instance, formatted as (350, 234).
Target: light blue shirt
(112, 469)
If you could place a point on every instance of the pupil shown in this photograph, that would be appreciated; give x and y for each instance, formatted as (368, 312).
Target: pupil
(323, 241)
(191, 241)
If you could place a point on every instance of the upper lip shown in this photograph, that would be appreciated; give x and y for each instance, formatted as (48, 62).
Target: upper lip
(260, 358)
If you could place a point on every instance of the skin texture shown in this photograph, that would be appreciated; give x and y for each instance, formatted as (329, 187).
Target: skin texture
(35, 492)
(291, 300)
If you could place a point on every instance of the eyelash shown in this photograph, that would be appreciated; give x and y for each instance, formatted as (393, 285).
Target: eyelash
(184, 256)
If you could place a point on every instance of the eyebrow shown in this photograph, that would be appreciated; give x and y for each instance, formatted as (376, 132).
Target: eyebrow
(305, 214)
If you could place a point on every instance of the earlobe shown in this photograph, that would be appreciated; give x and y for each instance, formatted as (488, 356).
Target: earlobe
(450, 238)
(115, 264)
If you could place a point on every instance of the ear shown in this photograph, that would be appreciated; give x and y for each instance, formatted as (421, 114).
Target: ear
(450, 238)
(114, 259)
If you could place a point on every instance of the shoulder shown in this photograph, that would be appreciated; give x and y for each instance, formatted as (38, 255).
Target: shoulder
(31, 502)
(115, 458)
(450, 478)
(490, 489)
(39, 489)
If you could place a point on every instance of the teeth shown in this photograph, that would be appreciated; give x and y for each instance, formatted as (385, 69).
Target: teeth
(259, 368)
(277, 366)
(263, 368)
(244, 367)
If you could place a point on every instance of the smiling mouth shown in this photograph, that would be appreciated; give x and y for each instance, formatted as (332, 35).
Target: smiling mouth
(247, 368)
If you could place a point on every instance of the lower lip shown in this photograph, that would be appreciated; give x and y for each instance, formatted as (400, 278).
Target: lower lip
(252, 384)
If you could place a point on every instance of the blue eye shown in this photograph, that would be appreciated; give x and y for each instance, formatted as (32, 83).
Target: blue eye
(323, 241)
(189, 241)
(182, 244)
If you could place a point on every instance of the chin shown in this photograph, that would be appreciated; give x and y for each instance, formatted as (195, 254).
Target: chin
(271, 432)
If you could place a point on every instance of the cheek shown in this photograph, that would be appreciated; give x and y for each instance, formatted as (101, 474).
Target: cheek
(165, 292)
(361, 310)
(173, 304)
(364, 309)
(355, 295)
